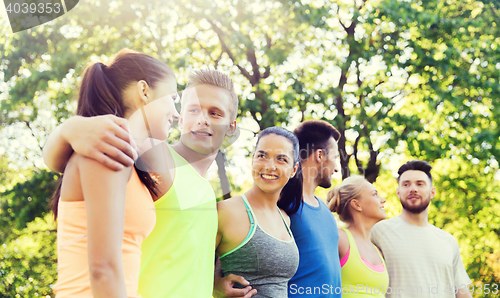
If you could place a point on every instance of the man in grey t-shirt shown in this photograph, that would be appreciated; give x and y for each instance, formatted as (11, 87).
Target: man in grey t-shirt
(422, 260)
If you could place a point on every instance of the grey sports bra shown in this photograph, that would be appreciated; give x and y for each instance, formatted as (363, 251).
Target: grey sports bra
(266, 262)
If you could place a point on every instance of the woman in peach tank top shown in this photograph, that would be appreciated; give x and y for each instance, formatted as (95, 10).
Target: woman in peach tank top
(104, 215)
(363, 271)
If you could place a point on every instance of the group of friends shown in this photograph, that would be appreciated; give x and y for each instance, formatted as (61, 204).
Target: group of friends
(136, 217)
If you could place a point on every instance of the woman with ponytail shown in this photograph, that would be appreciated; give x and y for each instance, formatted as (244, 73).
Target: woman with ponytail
(358, 204)
(103, 215)
(254, 239)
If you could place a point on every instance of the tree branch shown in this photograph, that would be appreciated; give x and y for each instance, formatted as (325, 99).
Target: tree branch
(225, 49)
(392, 106)
(216, 62)
(379, 83)
(160, 46)
(269, 41)
(267, 72)
(362, 4)
(37, 142)
(157, 39)
(355, 153)
(33, 134)
(268, 46)
(203, 48)
(342, 24)
(367, 134)
(252, 58)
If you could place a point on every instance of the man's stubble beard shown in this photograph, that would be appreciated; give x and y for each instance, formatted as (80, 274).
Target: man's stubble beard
(418, 208)
(322, 181)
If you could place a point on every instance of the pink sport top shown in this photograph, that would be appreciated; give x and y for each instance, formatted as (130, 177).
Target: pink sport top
(72, 267)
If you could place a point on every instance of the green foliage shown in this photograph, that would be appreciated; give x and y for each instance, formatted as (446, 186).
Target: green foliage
(25, 202)
(28, 263)
(467, 205)
(397, 78)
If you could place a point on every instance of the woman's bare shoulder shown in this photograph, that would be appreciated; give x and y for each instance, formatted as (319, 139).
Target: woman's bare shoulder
(230, 204)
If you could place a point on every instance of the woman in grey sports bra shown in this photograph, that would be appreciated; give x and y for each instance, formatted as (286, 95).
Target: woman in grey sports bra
(254, 239)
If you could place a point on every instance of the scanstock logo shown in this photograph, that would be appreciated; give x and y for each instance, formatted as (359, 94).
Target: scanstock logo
(25, 14)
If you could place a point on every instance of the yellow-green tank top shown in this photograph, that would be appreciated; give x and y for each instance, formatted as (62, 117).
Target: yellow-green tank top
(178, 256)
(360, 281)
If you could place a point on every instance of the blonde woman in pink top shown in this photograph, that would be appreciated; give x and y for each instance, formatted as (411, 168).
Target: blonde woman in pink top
(104, 215)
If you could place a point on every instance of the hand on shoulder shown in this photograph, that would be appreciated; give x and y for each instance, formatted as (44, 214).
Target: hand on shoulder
(103, 138)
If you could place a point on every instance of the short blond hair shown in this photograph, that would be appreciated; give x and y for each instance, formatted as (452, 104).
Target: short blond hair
(217, 79)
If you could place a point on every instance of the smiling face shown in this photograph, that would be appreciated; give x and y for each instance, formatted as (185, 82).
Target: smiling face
(372, 205)
(415, 191)
(205, 118)
(154, 119)
(329, 166)
(272, 163)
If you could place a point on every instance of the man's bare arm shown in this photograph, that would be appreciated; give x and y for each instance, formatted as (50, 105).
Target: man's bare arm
(223, 286)
(102, 138)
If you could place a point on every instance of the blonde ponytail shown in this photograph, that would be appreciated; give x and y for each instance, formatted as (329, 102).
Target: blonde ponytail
(340, 197)
(333, 199)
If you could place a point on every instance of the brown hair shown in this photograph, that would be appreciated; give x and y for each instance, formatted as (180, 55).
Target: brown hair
(416, 165)
(314, 135)
(339, 198)
(217, 79)
(101, 93)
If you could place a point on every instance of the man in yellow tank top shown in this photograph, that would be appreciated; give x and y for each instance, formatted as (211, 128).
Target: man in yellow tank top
(178, 256)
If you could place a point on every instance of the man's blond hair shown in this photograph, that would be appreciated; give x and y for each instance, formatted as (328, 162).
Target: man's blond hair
(217, 79)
